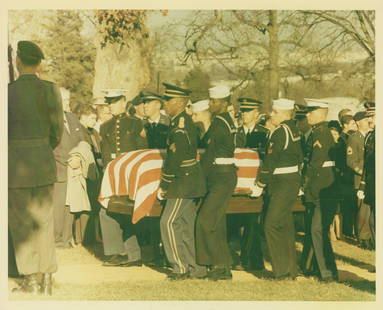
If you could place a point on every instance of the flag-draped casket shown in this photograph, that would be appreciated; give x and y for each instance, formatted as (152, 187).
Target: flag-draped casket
(137, 174)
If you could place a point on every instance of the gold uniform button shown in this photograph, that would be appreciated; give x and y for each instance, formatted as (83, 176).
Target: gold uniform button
(118, 143)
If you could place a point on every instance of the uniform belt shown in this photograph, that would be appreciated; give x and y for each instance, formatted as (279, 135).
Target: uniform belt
(328, 163)
(28, 142)
(285, 170)
(188, 162)
(224, 161)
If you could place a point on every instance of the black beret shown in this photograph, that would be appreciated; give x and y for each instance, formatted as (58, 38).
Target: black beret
(28, 50)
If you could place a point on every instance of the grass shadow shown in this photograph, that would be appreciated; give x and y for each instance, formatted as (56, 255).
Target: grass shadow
(353, 280)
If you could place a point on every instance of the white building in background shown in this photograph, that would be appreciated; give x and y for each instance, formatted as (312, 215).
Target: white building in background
(338, 103)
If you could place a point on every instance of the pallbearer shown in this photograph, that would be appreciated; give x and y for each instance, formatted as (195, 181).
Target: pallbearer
(321, 194)
(181, 182)
(280, 173)
(218, 165)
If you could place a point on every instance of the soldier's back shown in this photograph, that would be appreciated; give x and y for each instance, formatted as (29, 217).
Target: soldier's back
(34, 108)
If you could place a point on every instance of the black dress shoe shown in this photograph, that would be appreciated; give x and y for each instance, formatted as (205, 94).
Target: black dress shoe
(198, 276)
(177, 276)
(220, 274)
(116, 260)
(46, 285)
(30, 284)
(286, 276)
(136, 263)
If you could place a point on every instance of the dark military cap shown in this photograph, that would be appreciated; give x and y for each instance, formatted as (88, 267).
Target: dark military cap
(137, 100)
(299, 113)
(248, 104)
(29, 52)
(370, 107)
(172, 91)
(361, 115)
(148, 96)
(303, 109)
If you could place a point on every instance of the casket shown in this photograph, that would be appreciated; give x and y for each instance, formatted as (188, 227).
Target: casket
(134, 178)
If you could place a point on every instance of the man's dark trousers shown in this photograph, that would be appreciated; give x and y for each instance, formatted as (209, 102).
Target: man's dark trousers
(279, 224)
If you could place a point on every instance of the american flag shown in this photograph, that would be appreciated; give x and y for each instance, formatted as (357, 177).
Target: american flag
(137, 175)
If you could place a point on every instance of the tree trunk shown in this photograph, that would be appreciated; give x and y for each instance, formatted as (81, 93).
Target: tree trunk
(273, 56)
(121, 67)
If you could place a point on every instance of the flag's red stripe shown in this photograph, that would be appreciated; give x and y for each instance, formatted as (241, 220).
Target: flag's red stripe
(122, 189)
(134, 171)
(247, 172)
(144, 208)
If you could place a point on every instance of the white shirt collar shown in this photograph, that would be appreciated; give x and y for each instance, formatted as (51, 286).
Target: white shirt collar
(247, 129)
(157, 120)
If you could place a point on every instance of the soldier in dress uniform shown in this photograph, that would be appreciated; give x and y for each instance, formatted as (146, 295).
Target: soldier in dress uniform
(120, 134)
(202, 119)
(218, 165)
(182, 181)
(355, 160)
(157, 124)
(35, 126)
(251, 134)
(367, 184)
(156, 127)
(348, 205)
(321, 192)
(254, 136)
(280, 173)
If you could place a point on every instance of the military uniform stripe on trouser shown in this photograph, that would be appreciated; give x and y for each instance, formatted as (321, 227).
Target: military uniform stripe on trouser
(177, 232)
(172, 239)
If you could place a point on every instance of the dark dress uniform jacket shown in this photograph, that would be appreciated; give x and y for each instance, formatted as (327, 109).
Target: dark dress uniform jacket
(35, 124)
(321, 182)
(284, 150)
(69, 140)
(157, 133)
(121, 134)
(355, 156)
(256, 139)
(219, 144)
(182, 176)
(368, 179)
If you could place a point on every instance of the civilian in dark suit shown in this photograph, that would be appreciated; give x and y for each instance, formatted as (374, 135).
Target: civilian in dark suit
(72, 135)
(35, 125)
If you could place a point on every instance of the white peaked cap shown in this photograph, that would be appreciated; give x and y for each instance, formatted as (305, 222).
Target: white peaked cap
(201, 105)
(220, 91)
(283, 104)
(316, 103)
(111, 93)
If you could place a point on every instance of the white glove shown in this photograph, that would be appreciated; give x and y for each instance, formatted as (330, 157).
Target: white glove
(301, 192)
(256, 191)
(360, 194)
(161, 194)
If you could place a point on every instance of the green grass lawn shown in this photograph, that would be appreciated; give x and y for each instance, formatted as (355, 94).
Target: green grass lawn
(357, 282)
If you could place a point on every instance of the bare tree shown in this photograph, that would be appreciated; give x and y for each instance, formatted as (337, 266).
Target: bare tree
(346, 28)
